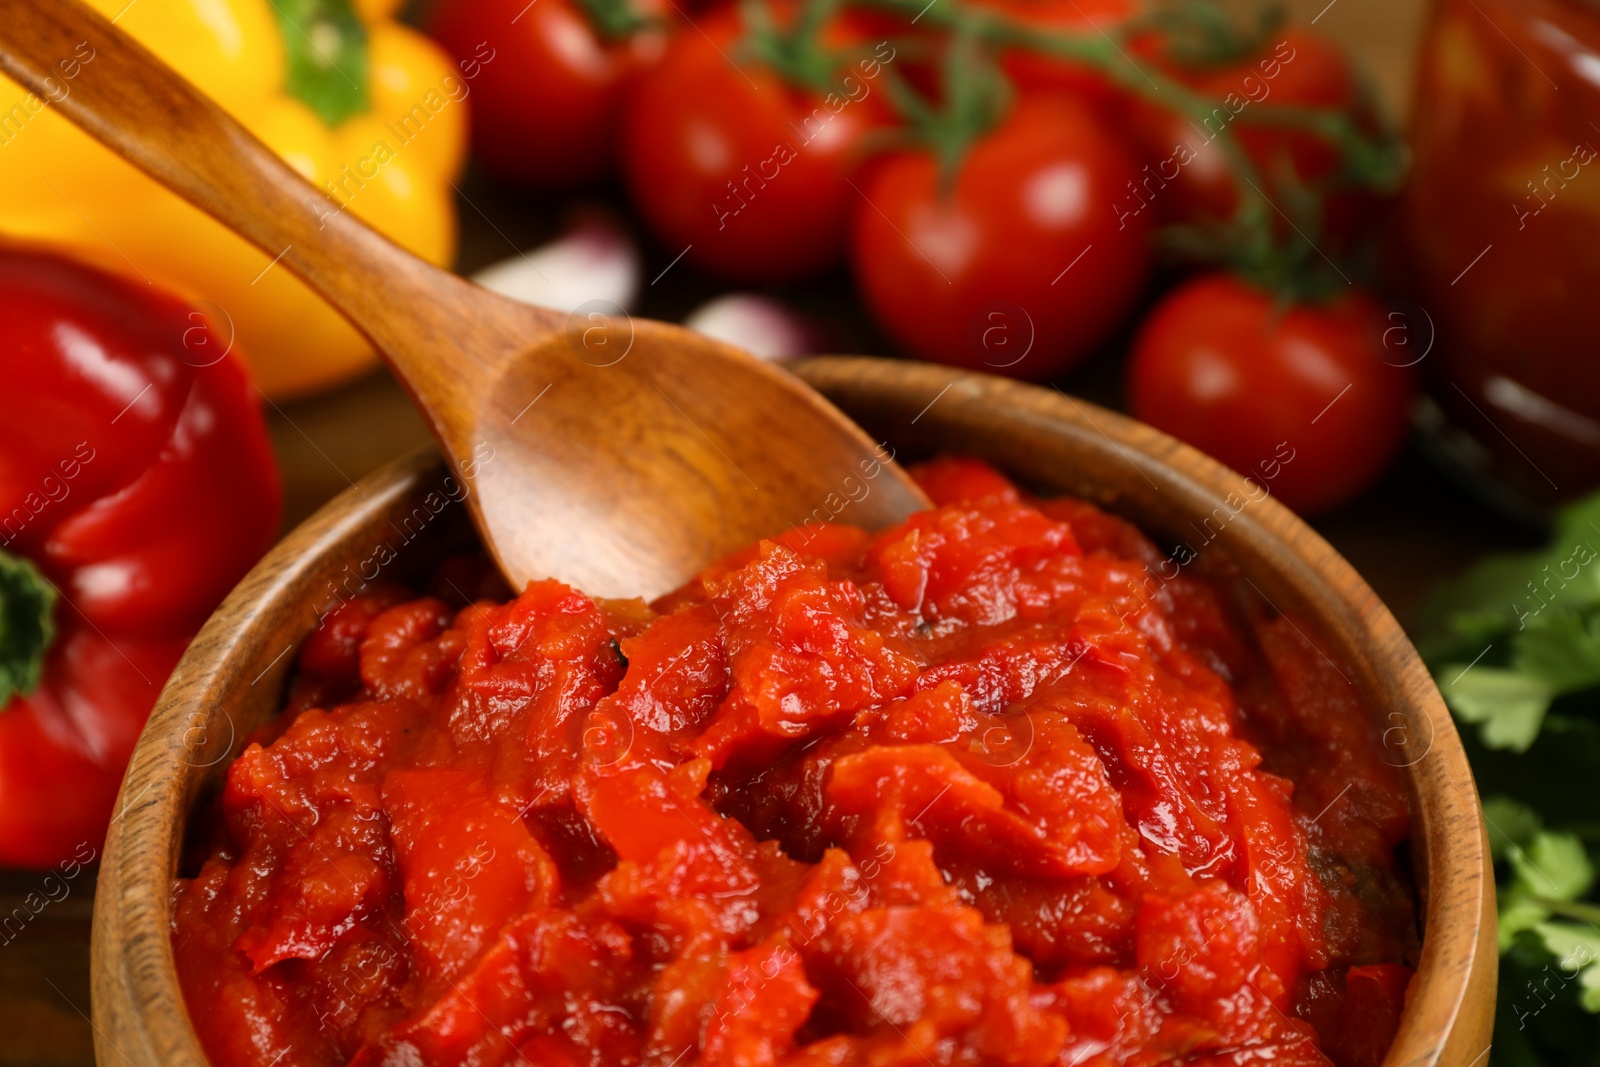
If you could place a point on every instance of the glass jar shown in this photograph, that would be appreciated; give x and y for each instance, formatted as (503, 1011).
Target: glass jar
(1500, 229)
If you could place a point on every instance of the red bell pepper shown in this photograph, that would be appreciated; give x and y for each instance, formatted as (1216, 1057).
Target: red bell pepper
(136, 487)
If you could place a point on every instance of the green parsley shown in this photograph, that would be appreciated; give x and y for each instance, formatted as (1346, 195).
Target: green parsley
(1515, 647)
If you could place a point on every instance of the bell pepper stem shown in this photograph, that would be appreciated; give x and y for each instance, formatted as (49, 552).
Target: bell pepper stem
(27, 626)
(325, 43)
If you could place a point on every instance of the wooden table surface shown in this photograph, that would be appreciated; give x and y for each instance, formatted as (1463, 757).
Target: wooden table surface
(1414, 528)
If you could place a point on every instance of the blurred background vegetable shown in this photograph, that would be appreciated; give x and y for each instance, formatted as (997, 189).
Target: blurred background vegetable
(739, 147)
(1289, 395)
(593, 260)
(367, 110)
(759, 325)
(136, 487)
(546, 112)
(1009, 260)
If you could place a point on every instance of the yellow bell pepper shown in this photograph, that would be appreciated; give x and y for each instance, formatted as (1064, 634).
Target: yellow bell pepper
(369, 111)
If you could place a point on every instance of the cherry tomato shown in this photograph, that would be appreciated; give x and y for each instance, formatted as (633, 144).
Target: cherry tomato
(1298, 398)
(1021, 267)
(547, 87)
(1186, 176)
(749, 173)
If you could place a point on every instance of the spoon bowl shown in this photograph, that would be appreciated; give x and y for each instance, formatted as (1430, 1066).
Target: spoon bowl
(705, 451)
(665, 449)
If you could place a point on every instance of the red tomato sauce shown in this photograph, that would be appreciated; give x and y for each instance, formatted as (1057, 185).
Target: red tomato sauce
(1002, 785)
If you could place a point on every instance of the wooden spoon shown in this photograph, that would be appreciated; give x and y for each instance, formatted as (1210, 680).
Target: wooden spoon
(618, 454)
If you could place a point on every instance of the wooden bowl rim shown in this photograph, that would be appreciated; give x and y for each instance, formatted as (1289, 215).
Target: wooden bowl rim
(139, 1013)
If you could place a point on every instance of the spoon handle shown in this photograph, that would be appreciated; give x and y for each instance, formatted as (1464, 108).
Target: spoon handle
(145, 112)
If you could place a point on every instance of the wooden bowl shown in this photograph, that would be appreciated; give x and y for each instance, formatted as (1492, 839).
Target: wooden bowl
(234, 676)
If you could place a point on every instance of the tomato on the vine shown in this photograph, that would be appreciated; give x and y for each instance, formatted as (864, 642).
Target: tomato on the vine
(748, 171)
(1300, 397)
(548, 81)
(1187, 178)
(1021, 265)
